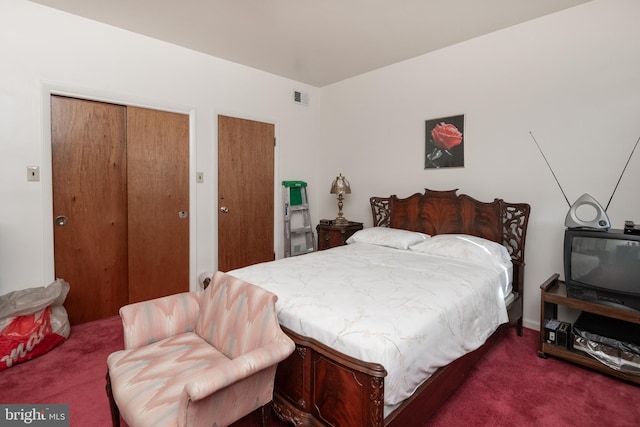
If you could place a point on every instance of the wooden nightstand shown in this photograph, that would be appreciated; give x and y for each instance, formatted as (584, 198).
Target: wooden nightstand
(330, 235)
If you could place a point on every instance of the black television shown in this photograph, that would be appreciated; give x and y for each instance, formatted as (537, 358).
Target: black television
(603, 267)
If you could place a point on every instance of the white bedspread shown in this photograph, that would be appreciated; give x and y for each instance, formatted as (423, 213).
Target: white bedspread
(410, 312)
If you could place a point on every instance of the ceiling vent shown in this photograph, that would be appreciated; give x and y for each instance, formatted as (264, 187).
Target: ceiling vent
(301, 98)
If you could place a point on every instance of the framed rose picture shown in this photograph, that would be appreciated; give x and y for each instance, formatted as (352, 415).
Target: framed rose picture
(444, 143)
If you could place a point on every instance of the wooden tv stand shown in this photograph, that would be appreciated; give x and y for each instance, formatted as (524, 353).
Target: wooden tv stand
(554, 293)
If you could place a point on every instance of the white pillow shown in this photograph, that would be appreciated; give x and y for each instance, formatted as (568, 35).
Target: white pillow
(385, 236)
(463, 246)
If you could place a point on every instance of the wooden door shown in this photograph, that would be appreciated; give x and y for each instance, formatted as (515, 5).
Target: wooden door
(88, 149)
(158, 203)
(245, 190)
(120, 176)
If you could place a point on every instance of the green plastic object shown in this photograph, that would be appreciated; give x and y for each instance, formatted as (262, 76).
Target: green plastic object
(291, 184)
(295, 193)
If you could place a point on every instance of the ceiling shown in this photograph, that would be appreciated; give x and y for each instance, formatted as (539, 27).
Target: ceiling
(317, 42)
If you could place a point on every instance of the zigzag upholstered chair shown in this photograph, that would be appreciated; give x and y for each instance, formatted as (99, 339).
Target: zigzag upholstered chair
(198, 358)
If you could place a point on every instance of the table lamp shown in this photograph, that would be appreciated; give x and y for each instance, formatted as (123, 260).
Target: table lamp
(340, 186)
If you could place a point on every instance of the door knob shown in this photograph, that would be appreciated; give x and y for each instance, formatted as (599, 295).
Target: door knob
(61, 220)
(224, 209)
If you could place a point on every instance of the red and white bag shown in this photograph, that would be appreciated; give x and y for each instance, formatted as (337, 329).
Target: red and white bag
(32, 322)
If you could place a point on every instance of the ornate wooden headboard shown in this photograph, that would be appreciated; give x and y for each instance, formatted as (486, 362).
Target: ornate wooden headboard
(445, 212)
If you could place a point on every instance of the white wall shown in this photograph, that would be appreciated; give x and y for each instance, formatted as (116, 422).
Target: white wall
(571, 78)
(43, 50)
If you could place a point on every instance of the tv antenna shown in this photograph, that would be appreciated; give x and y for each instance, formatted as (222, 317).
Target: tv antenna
(552, 172)
(558, 182)
(624, 169)
(601, 220)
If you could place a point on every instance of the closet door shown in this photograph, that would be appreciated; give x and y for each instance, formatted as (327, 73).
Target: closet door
(88, 149)
(120, 203)
(158, 200)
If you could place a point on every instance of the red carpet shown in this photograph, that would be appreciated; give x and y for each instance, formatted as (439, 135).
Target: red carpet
(511, 386)
(72, 373)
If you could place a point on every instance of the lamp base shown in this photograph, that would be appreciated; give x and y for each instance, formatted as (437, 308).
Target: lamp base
(341, 221)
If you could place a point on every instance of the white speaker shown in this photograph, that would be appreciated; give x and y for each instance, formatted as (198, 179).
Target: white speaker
(585, 207)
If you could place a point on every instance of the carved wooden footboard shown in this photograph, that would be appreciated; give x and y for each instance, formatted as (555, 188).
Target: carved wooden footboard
(318, 386)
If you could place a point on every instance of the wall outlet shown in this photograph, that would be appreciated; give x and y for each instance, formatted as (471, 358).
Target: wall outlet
(33, 173)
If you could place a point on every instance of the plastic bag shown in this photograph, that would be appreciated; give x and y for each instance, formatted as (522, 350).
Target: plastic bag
(32, 322)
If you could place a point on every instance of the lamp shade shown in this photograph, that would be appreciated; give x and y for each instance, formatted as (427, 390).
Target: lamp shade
(340, 185)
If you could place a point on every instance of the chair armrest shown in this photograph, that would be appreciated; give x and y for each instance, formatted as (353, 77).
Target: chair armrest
(150, 321)
(233, 370)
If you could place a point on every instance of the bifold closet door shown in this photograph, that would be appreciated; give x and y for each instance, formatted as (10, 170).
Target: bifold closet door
(120, 203)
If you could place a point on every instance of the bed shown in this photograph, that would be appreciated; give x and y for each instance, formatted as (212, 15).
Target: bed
(395, 371)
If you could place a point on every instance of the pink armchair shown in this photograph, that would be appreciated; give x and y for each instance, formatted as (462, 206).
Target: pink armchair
(198, 358)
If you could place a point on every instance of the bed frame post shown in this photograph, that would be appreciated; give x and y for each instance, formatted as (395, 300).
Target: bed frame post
(515, 219)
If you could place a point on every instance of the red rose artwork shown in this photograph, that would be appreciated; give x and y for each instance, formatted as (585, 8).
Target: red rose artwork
(444, 142)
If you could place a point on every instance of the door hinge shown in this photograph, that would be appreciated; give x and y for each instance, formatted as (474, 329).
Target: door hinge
(274, 141)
